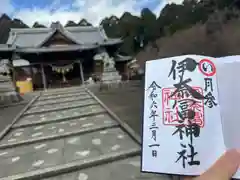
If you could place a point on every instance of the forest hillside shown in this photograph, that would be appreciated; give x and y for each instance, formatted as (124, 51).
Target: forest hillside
(207, 27)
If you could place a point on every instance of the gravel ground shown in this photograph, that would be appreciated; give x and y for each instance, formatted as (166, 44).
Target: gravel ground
(126, 102)
(7, 114)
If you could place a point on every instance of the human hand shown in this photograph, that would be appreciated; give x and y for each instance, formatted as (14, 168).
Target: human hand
(225, 167)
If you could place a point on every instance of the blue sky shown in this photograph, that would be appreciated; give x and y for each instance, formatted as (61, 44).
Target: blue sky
(40, 3)
(46, 11)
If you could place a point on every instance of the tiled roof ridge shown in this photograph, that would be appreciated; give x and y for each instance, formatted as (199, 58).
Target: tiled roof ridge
(82, 28)
(98, 36)
(30, 30)
(46, 30)
(63, 32)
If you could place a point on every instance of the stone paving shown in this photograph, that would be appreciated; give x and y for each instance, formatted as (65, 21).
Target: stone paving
(127, 169)
(84, 141)
(56, 96)
(58, 128)
(59, 115)
(62, 105)
(60, 100)
(64, 90)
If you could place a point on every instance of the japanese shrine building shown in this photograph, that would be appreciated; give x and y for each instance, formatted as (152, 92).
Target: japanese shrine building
(70, 50)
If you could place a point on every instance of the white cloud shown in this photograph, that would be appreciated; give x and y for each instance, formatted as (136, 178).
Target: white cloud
(92, 10)
(44, 16)
(158, 9)
(175, 1)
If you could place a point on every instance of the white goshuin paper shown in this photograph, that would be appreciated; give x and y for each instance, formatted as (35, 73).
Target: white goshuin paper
(211, 143)
(228, 69)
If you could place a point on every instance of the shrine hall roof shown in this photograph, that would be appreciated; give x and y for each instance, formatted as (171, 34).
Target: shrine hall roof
(35, 37)
(55, 49)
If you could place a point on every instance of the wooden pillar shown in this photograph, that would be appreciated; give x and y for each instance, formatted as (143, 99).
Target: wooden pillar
(14, 75)
(31, 71)
(12, 69)
(126, 71)
(81, 72)
(98, 68)
(32, 75)
(43, 77)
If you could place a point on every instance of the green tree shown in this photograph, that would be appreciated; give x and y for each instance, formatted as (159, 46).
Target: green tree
(112, 27)
(176, 17)
(84, 22)
(37, 25)
(71, 24)
(129, 26)
(148, 26)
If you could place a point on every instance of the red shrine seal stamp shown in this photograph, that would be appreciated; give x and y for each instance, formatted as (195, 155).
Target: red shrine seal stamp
(207, 67)
(174, 108)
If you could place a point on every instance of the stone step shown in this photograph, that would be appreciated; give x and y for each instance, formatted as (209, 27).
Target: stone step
(60, 106)
(61, 100)
(123, 169)
(55, 96)
(74, 151)
(54, 130)
(56, 116)
(63, 90)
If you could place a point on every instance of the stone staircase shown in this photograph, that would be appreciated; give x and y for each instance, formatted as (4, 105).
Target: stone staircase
(69, 134)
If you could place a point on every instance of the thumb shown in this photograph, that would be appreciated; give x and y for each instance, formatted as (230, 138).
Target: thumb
(225, 167)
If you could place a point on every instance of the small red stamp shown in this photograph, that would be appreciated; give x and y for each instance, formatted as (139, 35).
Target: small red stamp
(207, 67)
(175, 109)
